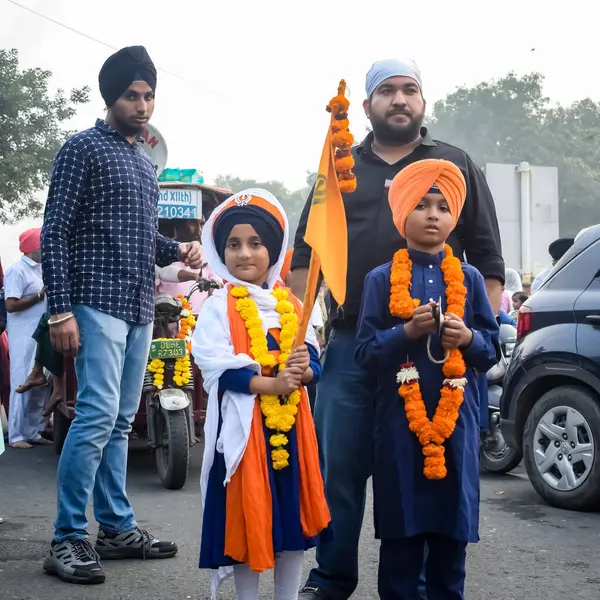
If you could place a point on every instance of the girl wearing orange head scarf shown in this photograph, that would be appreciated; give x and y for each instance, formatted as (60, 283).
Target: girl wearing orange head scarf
(263, 494)
(425, 326)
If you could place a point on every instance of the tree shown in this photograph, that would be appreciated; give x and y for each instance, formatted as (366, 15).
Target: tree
(30, 133)
(293, 202)
(511, 120)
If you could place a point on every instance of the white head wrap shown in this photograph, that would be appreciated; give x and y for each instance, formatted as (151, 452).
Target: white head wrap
(392, 67)
(512, 282)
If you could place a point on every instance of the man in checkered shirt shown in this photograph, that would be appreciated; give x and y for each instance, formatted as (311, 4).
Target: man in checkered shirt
(100, 244)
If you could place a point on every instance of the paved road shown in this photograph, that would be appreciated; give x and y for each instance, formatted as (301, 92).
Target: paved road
(527, 550)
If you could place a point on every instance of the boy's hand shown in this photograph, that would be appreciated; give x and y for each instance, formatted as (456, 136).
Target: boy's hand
(422, 322)
(287, 381)
(300, 358)
(455, 334)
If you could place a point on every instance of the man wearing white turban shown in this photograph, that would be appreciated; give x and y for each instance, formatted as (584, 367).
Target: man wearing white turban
(395, 106)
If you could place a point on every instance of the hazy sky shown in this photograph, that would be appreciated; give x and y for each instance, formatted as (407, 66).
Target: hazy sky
(260, 73)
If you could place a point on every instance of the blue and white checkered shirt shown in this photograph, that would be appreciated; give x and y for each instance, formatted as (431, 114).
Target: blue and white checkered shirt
(100, 239)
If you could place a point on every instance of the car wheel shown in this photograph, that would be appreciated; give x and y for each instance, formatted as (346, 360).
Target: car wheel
(561, 447)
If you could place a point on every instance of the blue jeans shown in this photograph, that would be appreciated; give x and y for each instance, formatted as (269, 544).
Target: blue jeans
(344, 411)
(110, 370)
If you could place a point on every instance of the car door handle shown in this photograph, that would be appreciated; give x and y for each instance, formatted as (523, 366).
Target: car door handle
(593, 319)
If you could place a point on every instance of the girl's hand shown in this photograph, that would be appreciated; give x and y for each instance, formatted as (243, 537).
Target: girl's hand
(300, 358)
(455, 334)
(287, 381)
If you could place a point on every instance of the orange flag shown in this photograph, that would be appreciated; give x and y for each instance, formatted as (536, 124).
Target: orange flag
(326, 230)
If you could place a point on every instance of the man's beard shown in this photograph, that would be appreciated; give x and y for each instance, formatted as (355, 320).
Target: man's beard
(127, 128)
(398, 135)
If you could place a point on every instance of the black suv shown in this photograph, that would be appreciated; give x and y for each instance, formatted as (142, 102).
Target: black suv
(550, 407)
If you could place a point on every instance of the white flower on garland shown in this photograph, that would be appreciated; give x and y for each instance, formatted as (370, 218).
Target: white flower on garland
(407, 374)
(456, 382)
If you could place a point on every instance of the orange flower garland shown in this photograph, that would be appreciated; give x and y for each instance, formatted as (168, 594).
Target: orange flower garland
(431, 434)
(342, 140)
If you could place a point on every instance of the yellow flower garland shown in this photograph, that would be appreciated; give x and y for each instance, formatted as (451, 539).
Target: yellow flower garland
(279, 412)
(157, 367)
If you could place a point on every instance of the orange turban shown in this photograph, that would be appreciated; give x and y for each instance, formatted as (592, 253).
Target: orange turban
(287, 263)
(415, 181)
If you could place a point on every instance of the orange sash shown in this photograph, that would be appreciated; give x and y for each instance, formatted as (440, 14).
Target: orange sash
(249, 510)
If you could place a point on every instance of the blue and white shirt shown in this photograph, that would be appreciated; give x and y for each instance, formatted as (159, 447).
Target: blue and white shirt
(100, 239)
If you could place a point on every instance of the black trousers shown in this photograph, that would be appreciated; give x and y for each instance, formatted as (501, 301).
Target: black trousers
(401, 562)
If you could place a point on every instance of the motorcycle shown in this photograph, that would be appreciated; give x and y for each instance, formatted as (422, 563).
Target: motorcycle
(495, 455)
(169, 405)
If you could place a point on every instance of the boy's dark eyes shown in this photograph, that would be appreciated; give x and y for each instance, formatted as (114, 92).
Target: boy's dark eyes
(423, 206)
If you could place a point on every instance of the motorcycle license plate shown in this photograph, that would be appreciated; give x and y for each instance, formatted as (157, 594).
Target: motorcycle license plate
(167, 349)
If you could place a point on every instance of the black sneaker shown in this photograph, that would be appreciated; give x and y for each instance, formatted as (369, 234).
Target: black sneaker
(137, 543)
(312, 593)
(74, 561)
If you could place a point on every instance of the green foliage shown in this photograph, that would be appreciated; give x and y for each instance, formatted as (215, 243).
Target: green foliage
(510, 120)
(31, 133)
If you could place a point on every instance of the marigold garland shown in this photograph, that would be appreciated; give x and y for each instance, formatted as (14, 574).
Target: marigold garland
(183, 365)
(279, 412)
(342, 140)
(431, 433)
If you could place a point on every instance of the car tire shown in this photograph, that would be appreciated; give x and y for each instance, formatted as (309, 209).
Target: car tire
(587, 495)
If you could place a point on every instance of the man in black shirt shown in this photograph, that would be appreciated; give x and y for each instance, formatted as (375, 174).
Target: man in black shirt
(344, 409)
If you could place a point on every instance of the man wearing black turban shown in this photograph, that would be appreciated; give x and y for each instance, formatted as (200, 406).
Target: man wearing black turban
(127, 84)
(101, 215)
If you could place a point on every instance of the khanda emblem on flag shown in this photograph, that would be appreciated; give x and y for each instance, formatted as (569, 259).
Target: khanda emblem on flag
(320, 191)
(326, 230)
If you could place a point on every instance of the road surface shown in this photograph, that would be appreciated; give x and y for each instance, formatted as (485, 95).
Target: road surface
(527, 549)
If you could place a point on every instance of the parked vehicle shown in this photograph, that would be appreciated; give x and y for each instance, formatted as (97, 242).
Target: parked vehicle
(496, 456)
(550, 406)
(167, 415)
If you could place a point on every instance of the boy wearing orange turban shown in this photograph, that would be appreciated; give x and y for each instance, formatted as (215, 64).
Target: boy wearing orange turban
(425, 326)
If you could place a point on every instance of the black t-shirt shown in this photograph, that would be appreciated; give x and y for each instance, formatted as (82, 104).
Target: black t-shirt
(373, 238)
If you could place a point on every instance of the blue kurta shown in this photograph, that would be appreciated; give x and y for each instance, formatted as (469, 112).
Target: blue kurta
(285, 485)
(406, 502)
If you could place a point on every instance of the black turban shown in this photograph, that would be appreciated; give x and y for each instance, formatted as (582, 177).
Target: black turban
(123, 68)
(559, 247)
(263, 222)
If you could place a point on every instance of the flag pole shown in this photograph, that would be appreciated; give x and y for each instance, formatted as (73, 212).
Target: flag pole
(310, 294)
(326, 232)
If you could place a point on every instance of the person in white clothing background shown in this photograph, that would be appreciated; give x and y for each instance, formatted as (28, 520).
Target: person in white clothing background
(25, 304)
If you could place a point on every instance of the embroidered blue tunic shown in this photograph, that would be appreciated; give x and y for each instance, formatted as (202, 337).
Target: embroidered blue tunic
(406, 503)
(285, 485)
